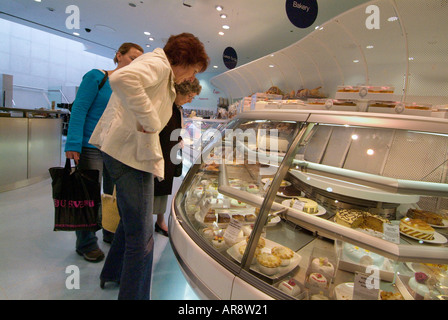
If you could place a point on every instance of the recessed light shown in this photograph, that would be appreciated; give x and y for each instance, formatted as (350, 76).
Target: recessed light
(147, 33)
(223, 15)
(219, 8)
(392, 19)
(151, 39)
(38, 0)
(216, 67)
(369, 47)
(411, 58)
(271, 66)
(225, 27)
(355, 61)
(148, 46)
(221, 33)
(76, 33)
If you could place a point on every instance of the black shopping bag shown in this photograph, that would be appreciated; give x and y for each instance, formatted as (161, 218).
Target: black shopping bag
(76, 196)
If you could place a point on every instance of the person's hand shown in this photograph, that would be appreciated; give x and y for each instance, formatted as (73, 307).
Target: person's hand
(73, 155)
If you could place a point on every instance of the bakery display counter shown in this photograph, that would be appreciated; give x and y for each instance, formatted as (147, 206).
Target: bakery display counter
(196, 134)
(317, 205)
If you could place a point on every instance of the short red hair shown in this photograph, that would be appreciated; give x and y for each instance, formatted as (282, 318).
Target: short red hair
(185, 49)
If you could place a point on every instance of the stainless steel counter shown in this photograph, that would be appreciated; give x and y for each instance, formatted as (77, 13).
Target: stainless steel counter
(28, 148)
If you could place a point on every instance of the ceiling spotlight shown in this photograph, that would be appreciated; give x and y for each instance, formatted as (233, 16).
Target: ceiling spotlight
(76, 33)
(216, 67)
(148, 46)
(38, 0)
(223, 15)
(221, 33)
(219, 8)
(151, 39)
(226, 27)
(147, 33)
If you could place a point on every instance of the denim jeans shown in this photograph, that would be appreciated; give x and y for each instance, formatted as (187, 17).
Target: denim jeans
(90, 158)
(130, 257)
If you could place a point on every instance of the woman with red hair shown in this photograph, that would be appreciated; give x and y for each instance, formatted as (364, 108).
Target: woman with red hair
(128, 136)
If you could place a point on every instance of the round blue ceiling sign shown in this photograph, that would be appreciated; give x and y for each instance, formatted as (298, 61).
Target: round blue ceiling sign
(230, 57)
(301, 13)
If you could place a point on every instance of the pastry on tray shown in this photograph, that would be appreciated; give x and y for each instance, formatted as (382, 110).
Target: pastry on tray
(268, 263)
(284, 253)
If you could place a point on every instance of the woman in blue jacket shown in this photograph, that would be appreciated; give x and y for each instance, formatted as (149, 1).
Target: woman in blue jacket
(90, 102)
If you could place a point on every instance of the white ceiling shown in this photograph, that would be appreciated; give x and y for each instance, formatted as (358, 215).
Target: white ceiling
(257, 27)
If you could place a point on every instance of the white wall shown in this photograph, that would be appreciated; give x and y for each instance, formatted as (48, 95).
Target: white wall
(42, 60)
(38, 59)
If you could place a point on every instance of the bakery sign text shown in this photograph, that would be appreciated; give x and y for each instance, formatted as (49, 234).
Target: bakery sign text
(301, 6)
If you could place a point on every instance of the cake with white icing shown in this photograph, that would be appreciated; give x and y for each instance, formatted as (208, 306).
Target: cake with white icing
(318, 280)
(290, 287)
(322, 265)
(362, 256)
(417, 283)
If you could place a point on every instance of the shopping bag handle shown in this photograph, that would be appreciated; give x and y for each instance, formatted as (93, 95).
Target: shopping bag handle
(68, 164)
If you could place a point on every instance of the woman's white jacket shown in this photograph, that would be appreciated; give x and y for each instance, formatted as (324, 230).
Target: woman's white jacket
(142, 99)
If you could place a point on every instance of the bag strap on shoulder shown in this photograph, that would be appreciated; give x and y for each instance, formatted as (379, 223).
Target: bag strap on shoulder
(103, 81)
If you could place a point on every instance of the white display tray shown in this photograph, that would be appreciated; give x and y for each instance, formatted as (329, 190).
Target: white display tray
(438, 238)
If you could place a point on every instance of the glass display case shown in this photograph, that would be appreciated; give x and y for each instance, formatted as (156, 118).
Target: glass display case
(196, 133)
(300, 204)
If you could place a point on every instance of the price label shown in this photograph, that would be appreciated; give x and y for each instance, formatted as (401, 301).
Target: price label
(391, 232)
(233, 230)
(366, 286)
(297, 204)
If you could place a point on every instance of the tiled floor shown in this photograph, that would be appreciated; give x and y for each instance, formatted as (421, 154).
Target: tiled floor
(34, 258)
